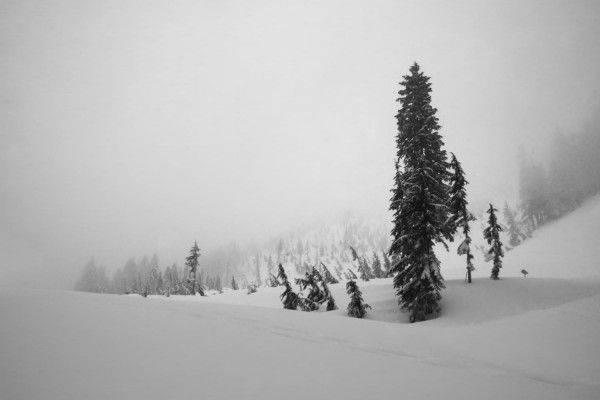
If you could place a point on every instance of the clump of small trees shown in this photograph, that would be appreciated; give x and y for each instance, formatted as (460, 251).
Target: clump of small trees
(314, 283)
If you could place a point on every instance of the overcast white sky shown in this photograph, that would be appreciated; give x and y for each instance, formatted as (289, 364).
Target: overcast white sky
(133, 127)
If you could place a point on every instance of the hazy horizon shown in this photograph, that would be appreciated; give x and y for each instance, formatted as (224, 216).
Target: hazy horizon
(131, 128)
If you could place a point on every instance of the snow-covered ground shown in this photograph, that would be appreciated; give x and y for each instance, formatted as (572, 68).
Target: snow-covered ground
(514, 338)
(566, 248)
(517, 338)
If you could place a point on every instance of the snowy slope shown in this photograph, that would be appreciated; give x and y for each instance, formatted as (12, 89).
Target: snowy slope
(514, 338)
(566, 248)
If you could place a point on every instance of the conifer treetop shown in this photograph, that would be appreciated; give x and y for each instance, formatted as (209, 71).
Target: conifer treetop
(192, 259)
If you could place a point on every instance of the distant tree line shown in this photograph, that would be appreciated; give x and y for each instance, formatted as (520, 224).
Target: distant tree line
(146, 277)
(569, 177)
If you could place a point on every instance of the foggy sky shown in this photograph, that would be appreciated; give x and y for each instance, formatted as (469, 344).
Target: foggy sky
(136, 127)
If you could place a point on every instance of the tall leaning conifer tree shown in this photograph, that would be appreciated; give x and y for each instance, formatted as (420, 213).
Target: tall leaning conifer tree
(419, 200)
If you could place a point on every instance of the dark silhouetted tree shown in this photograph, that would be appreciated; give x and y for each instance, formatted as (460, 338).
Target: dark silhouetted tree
(492, 235)
(192, 263)
(288, 297)
(459, 215)
(356, 308)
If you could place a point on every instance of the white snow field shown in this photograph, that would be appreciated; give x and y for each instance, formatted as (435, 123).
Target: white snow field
(532, 338)
(517, 338)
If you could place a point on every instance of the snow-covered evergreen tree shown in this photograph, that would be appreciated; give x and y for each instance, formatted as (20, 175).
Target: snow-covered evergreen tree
(492, 234)
(419, 200)
(218, 286)
(234, 285)
(354, 253)
(252, 287)
(327, 275)
(192, 263)
(93, 279)
(363, 269)
(459, 215)
(376, 267)
(272, 281)
(288, 297)
(316, 295)
(515, 232)
(328, 297)
(351, 274)
(324, 294)
(356, 308)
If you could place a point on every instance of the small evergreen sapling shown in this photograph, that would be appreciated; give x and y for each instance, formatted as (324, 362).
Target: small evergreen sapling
(252, 287)
(330, 300)
(356, 308)
(288, 297)
(492, 235)
(272, 281)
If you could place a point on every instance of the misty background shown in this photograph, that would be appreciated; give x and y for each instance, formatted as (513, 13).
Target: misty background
(129, 128)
